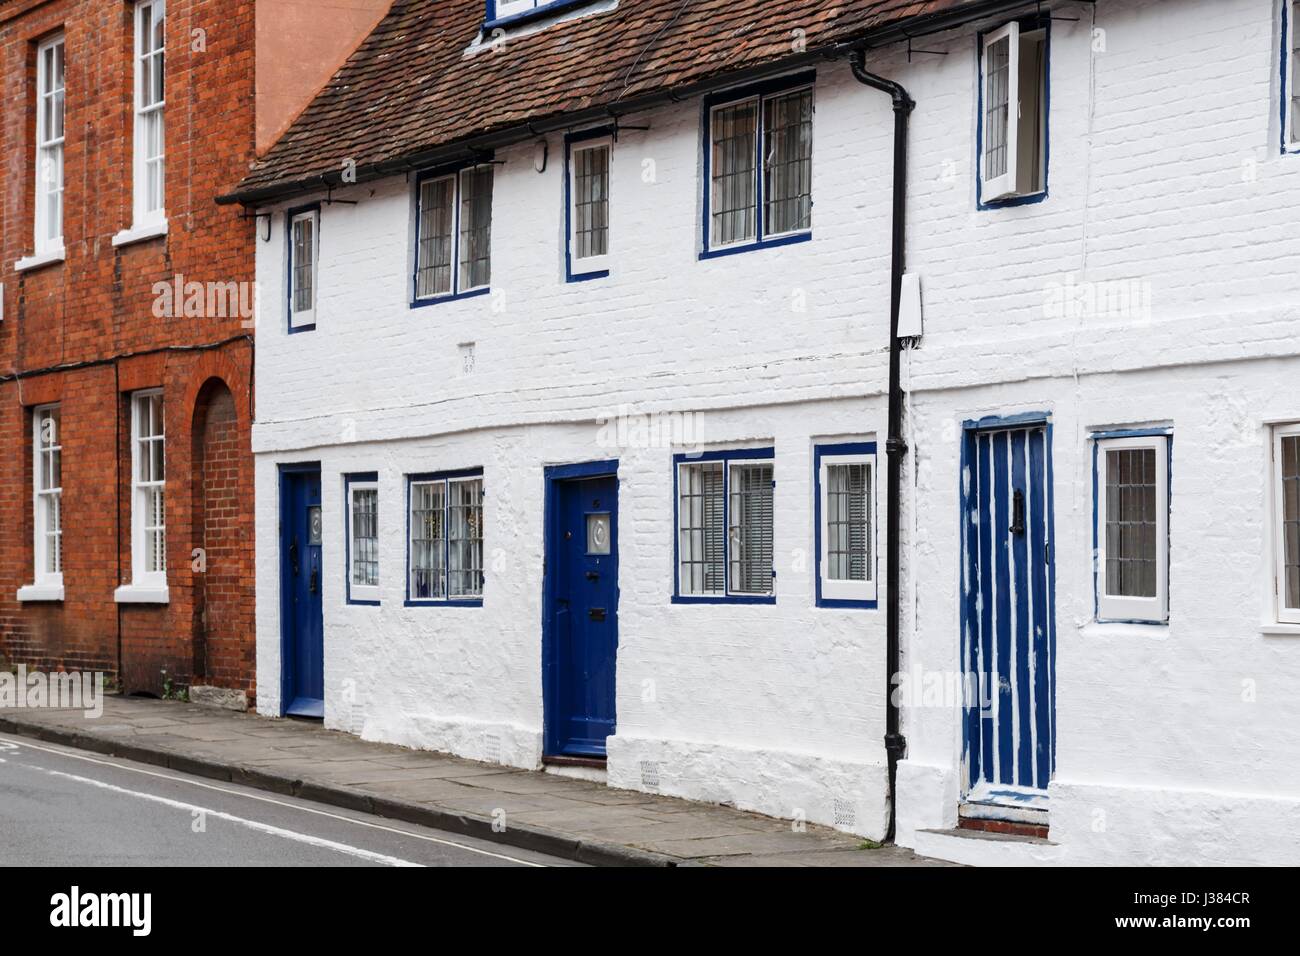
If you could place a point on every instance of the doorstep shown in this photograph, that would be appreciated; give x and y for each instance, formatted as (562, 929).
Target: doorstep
(987, 848)
(580, 820)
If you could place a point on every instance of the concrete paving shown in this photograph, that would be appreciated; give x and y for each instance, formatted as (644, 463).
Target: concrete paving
(572, 819)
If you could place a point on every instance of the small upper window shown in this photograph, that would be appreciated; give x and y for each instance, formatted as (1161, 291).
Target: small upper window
(150, 45)
(1133, 528)
(363, 539)
(508, 9)
(1290, 77)
(303, 253)
(49, 145)
(760, 168)
(1286, 527)
(453, 254)
(588, 185)
(1013, 115)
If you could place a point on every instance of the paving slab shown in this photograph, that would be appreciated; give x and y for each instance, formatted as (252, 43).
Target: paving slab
(573, 818)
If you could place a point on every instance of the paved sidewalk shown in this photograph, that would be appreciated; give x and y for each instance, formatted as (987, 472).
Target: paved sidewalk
(575, 819)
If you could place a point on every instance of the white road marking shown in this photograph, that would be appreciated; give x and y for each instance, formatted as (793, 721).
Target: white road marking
(271, 800)
(241, 821)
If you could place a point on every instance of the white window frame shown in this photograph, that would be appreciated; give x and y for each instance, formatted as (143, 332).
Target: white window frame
(42, 577)
(361, 592)
(1004, 186)
(510, 8)
(458, 199)
(446, 481)
(587, 264)
(838, 589)
(728, 592)
(1290, 92)
(1283, 614)
(49, 149)
(143, 216)
(141, 576)
(1147, 610)
(304, 318)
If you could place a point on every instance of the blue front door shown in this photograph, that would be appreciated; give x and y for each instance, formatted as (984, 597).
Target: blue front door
(582, 636)
(1008, 621)
(303, 645)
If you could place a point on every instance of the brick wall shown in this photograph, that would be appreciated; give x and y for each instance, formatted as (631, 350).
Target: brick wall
(95, 311)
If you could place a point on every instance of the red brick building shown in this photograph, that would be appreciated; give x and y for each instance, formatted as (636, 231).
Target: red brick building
(126, 325)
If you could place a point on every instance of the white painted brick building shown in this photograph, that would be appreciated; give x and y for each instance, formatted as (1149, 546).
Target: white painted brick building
(1149, 292)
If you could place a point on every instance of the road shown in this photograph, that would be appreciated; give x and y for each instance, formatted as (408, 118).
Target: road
(63, 807)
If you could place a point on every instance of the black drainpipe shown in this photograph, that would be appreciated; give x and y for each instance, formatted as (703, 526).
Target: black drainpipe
(895, 447)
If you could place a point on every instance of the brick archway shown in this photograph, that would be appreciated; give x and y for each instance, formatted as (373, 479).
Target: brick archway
(222, 644)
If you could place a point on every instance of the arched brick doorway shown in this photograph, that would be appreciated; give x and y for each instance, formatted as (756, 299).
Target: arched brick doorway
(222, 650)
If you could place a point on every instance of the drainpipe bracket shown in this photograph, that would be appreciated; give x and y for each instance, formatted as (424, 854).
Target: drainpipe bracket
(895, 446)
(896, 746)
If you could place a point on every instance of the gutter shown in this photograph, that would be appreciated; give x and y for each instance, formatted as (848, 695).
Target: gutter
(485, 141)
(895, 447)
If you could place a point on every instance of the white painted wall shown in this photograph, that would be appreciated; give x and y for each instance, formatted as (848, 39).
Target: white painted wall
(775, 708)
(1164, 170)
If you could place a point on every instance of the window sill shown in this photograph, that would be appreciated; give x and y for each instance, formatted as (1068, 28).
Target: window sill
(1126, 629)
(457, 602)
(538, 13)
(740, 247)
(449, 297)
(1007, 201)
(139, 594)
(27, 263)
(587, 276)
(40, 592)
(724, 599)
(140, 233)
(869, 604)
(1274, 629)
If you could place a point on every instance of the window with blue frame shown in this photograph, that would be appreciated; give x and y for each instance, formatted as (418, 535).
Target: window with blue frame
(1013, 108)
(845, 478)
(453, 234)
(724, 516)
(1290, 78)
(512, 11)
(445, 538)
(362, 500)
(1132, 526)
(303, 228)
(758, 162)
(587, 181)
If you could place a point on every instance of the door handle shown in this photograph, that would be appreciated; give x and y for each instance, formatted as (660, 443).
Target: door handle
(1017, 512)
(315, 578)
(593, 575)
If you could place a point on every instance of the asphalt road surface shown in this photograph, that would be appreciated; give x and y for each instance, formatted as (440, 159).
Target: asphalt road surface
(63, 807)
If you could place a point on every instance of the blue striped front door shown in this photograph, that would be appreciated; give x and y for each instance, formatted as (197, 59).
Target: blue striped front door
(1008, 621)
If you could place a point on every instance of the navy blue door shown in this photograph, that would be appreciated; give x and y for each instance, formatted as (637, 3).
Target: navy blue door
(582, 554)
(1008, 620)
(301, 582)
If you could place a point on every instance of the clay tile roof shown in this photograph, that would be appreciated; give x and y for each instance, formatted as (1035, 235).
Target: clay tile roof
(411, 88)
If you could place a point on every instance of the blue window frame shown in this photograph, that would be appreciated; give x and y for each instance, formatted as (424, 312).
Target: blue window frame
(444, 539)
(757, 185)
(1289, 61)
(1131, 493)
(1012, 146)
(302, 255)
(502, 13)
(723, 520)
(361, 537)
(844, 522)
(453, 233)
(588, 161)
